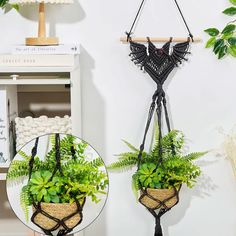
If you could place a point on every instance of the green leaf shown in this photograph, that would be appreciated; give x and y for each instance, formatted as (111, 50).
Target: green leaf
(212, 31)
(130, 146)
(229, 29)
(55, 199)
(227, 36)
(232, 51)
(15, 6)
(222, 52)
(194, 155)
(232, 41)
(210, 43)
(231, 11)
(218, 45)
(47, 198)
(233, 2)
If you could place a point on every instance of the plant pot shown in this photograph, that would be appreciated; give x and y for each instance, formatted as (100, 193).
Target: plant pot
(159, 198)
(59, 211)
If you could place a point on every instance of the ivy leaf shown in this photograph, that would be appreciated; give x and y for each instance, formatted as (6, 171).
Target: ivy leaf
(231, 11)
(222, 52)
(211, 42)
(233, 2)
(229, 29)
(218, 45)
(232, 41)
(232, 51)
(212, 31)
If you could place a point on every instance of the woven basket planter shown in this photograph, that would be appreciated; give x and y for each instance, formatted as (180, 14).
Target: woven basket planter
(159, 195)
(59, 211)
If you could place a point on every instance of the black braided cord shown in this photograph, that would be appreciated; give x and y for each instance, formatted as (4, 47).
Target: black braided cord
(60, 224)
(130, 32)
(158, 63)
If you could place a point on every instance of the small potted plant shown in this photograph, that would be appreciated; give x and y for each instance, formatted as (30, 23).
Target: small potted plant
(156, 183)
(57, 189)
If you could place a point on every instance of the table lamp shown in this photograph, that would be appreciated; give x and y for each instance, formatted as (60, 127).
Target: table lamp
(41, 40)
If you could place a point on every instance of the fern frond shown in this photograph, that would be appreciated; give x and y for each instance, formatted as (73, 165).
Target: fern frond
(194, 155)
(123, 165)
(52, 140)
(24, 155)
(127, 155)
(25, 202)
(18, 169)
(135, 185)
(155, 141)
(98, 162)
(133, 148)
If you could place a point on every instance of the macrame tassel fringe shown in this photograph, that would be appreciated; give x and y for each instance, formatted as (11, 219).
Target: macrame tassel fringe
(158, 229)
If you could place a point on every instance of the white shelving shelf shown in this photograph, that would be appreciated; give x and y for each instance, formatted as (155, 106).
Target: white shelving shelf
(9, 69)
(33, 81)
(57, 76)
(4, 165)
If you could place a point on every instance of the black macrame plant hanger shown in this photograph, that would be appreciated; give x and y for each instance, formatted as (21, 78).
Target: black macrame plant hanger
(60, 223)
(158, 63)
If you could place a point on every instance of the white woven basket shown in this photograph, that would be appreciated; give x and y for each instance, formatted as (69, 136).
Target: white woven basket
(29, 128)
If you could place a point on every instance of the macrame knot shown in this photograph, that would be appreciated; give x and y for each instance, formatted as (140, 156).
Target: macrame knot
(128, 36)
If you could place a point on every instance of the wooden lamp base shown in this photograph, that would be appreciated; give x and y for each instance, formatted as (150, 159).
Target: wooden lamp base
(41, 41)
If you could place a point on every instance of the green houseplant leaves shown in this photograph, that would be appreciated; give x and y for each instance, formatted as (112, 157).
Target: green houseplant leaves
(81, 178)
(174, 170)
(224, 42)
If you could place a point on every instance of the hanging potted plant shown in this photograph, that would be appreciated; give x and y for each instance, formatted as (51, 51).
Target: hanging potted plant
(160, 175)
(59, 184)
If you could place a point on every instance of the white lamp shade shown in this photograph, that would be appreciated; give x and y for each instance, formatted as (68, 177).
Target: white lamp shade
(41, 1)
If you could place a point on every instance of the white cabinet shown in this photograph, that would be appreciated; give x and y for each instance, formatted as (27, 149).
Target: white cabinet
(47, 91)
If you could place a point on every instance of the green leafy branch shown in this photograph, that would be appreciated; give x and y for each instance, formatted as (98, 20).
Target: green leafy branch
(4, 4)
(224, 42)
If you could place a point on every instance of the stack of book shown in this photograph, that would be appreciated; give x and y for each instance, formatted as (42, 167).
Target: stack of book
(21, 55)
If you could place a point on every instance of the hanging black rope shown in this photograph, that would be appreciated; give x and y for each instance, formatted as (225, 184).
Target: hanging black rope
(58, 224)
(130, 32)
(158, 63)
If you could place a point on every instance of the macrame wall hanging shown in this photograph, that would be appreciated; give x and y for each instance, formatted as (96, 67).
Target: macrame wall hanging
(158, 63)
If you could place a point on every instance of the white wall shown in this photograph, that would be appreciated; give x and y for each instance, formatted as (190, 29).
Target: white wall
(116, 96)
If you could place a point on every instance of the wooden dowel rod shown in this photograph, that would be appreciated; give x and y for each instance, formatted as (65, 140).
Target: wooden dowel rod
(161, 40)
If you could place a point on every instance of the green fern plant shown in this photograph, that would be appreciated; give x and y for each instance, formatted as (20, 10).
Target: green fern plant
(81, 178)
(174, 170)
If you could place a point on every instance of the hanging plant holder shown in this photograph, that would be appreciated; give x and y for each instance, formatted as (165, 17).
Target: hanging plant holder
(50, 217)
(158, 63)
(155, 199)
(57, 183)
(53, 216)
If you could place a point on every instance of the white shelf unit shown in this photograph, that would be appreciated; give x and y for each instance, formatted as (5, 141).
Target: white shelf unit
(39, 76)
(4, 165)
(29, 81)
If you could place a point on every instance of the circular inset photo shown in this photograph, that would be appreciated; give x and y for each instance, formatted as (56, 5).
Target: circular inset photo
(57, 184)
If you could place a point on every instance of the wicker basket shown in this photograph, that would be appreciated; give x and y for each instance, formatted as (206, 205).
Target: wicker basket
(59, 211)
(161, 195)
